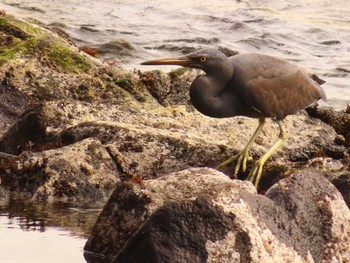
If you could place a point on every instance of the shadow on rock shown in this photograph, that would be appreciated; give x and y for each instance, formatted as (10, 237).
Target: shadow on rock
(202, 216)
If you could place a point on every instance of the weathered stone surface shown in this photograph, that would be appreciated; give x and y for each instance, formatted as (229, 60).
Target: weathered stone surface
(342, 183)
(339, 120)
(178, 232)
(78, 172)
(12, 104)
(199, 215)
(28, 130)
(319, 213)
(170, 142)
(116, 224)
(149, 195)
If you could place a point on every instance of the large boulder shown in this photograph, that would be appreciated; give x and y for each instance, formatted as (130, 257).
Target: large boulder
(200, 215)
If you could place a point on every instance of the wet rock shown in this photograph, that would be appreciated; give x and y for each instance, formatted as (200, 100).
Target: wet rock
(118, 47)
(171, 89)
(342, 183)
(58, 28)
(117, 214)
(200, 215)
(28, 130)
(339, 120)
(148, 195)
(12, 105)
(79, 172)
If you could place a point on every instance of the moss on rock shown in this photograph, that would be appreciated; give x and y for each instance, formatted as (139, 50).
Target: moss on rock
(21, 39)
(68, 60)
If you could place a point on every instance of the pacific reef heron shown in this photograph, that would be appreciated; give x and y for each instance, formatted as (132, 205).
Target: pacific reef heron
(251, 85)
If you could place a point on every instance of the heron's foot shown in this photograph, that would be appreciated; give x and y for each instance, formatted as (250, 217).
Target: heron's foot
(241, 159)
(255, 174)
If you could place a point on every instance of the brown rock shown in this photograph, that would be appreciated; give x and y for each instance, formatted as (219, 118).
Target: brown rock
(28, 130)
(79, 172)
(199, 215)
(12, 105)
(342, 183)
(339, 120)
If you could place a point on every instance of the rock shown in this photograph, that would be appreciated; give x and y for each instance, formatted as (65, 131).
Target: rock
(12, 105)
(142, 200)
(183, 228)
(28, 130)
(342, 183)
(147, 152)
(118, 47)
(319, 215)
(79, 172)
(200, 215)
(170, 89)
(13, 30)
(339, 120)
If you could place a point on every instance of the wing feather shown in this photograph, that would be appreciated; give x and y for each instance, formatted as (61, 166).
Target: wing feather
(273, 86)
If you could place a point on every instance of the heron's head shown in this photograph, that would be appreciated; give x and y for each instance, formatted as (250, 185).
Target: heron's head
(204, 59)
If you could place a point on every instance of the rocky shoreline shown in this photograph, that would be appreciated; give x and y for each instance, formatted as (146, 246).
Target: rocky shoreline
(77, 129)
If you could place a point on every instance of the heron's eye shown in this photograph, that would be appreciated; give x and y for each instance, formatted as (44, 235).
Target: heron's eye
(203, 59)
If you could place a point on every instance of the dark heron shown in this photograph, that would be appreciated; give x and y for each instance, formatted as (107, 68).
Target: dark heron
(251, 85)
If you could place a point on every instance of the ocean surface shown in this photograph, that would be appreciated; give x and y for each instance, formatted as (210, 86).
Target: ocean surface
(312, 33)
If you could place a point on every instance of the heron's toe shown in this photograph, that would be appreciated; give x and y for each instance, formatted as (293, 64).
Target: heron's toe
(241, 160)
(226, 163)
(255, 174)
(246, 158)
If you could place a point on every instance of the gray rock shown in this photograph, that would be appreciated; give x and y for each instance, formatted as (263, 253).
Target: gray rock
(339, 120)
(199, 215)
(179, 231)
(30, 129)
(12, 104)
(319, 216)
(79, 172)
(342, 183)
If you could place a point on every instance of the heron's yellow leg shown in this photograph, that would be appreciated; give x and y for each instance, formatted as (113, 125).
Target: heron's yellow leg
(243, 156)
(255, 173)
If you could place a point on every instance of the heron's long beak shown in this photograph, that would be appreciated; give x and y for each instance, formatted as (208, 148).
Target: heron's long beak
(181, 61)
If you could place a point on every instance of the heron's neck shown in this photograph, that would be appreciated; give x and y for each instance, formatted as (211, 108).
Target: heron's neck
(206, 93)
